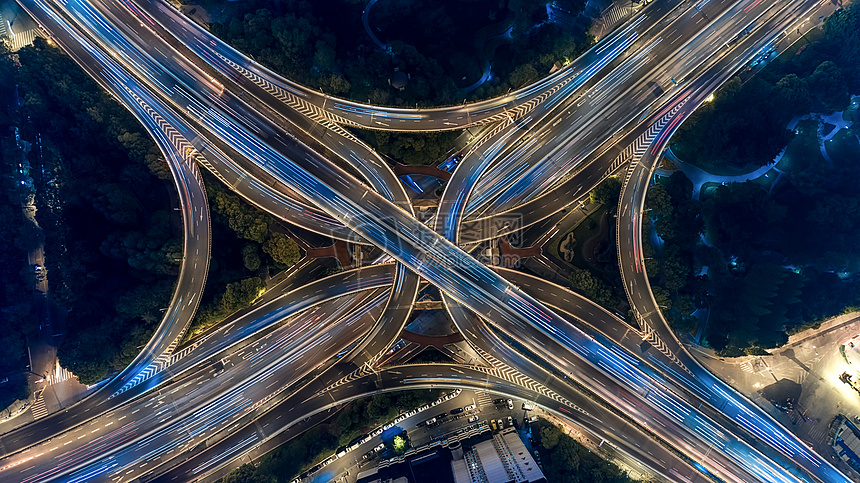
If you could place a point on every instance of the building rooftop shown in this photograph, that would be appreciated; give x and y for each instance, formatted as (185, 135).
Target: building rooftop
(502, 459)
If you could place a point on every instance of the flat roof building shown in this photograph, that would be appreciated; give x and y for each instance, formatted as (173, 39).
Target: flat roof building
(502, 459)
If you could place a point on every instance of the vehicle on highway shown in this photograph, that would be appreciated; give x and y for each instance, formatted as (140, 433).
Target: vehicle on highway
(430, 421)
(421, 424)
(470, 407)
(456, 410)
(441, 415)
(510, 404)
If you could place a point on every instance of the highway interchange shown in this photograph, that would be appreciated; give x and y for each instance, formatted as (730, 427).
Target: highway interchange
(287, 361)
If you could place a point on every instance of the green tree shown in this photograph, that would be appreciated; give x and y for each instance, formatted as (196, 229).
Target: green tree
(399, 444)
(592, 287)
(793, 90)
(662, 297)
(523, 75)
(828, 84)
(606, 192)
(245, 221)
(676, 269)
(659, 202)
(282, 249)
(247, 473)
(251, 257)
(549, 436)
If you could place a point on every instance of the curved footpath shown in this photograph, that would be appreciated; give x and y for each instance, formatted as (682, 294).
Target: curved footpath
(348, 112)
(629, 229)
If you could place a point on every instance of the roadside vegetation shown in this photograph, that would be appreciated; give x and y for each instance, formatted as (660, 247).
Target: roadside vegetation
(588, 251)
(315, 445)
(246, 243)
(436, 50)
(565, 460)
(766, 258)
(113, 243)
(17, 237)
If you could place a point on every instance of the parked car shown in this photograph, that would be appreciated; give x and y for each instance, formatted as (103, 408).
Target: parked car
(498, 401)
(528, 406)
(470, 407)
(510, 421)
(510, 404)
(473, 419)
(456, 410)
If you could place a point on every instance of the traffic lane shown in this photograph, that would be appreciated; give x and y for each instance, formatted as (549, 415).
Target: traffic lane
(404, 291)
(692, 388)
(210, 405)
(221, 338)
(358, 114)
(419, 377)
(161, 53)
(765, 428)
(661, 60)
(195, 260)
(477, 230)
(161, 45)
(479, 158)
(449, 252)
(622, 396)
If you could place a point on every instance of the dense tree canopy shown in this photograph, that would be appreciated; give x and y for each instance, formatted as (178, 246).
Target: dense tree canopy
(566, 460)
(745, 124)
(314, 445)
(111, 252)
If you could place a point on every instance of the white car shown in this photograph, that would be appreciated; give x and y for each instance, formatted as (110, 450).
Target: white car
(470, 407)
(510, 404)
(473, 419)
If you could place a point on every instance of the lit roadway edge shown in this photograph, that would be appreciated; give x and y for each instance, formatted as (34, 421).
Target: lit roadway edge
(631, 261)
(366, 195)
(350, 112)
(193, 269)
(490, 302)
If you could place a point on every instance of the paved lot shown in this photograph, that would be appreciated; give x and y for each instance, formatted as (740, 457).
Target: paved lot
(807, 370)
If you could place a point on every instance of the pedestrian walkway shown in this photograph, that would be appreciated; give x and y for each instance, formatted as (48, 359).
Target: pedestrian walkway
(4, 32)
(615, 15)
(40, 410)
(610, 18)
(23, 39)
(699, 176)
(483, 399)
(59, 375)
(836, 119)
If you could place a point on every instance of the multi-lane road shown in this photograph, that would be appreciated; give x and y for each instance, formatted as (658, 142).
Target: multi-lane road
(256, 380)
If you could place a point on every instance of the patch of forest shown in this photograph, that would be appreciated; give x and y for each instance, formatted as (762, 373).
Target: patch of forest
(779, 258)
(113, 240)
(440, 46)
